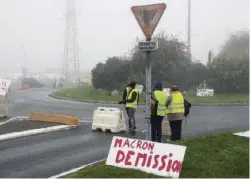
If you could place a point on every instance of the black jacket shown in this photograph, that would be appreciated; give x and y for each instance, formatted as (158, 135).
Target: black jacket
(124, 95)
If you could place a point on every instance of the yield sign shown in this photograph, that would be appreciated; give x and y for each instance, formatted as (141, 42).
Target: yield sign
(148, 16)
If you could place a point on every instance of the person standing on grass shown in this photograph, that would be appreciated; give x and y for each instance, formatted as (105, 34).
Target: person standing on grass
(175, 112)
(158, 111)
(131, 103)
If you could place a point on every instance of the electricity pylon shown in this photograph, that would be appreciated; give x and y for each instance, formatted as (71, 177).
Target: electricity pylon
(71, 63)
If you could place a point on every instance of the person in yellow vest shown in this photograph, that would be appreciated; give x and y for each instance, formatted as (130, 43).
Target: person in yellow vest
(158, 111)
(175, 112)
(124, 97)
(132, 101)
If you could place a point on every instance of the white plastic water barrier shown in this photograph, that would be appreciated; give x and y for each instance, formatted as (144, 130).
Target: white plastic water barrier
(109, 119)
(140, 88)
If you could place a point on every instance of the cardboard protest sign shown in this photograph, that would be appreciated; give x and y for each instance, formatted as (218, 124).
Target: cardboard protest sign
(151, 157)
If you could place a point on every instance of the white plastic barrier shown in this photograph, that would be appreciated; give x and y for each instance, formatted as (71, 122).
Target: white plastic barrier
(109, 119)
(140, 88)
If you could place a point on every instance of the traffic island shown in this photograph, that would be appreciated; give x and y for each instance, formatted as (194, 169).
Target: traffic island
(91, 95)
(223, 155)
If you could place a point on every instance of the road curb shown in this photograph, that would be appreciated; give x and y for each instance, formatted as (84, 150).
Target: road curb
(14, 135)
(112, 102)
(75, 169)
(51, 96)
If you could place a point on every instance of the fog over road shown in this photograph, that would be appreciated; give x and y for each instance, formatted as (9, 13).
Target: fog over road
(48, 154)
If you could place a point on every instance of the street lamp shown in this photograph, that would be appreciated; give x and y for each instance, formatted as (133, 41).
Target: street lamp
(24, 68)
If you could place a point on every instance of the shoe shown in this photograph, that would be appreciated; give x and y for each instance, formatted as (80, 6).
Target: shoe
(133, 132)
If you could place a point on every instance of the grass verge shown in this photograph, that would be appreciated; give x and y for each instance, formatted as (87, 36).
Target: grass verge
(216, 156)
(89, 93)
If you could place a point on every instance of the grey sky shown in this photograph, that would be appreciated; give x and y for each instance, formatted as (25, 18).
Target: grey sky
(107, 28)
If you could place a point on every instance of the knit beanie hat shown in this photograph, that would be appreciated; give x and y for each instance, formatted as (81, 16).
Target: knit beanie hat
(158, 86)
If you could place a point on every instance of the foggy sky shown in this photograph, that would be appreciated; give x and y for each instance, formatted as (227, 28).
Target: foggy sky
(107, 28)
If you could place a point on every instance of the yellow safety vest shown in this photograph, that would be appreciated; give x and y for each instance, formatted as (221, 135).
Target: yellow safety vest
(161, 97)
(134, 104)
(127, 89)
(177, 103)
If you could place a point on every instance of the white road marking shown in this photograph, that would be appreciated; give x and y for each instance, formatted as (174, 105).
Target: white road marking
(75, 169)
(63, 100)
(243, 134)
(15, 118)
(85, 121)
(34, 132)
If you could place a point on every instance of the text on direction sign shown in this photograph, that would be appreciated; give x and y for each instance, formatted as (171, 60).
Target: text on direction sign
(151, 157)
(4, 86)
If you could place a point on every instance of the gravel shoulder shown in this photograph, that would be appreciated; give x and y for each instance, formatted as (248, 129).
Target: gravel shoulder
(23, 125)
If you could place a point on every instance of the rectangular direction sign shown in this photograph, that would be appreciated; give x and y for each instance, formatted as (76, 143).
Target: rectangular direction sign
(4, 86)
(151, 157)
(205, 92)
(148, 46)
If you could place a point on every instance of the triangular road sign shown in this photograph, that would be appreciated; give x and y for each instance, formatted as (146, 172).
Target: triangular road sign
(148, 16)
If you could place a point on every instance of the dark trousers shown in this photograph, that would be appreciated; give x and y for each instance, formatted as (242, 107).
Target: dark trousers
(129, 123)
(126, 110)
(156, 128)
(175, 127)
(131, 118)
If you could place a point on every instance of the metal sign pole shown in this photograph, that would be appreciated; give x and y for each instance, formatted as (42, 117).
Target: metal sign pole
(148, 94)
(148, 17)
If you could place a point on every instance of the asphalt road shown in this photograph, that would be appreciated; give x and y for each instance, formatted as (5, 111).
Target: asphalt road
(48, 154)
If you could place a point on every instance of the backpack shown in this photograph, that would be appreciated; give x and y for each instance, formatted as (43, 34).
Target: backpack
(187, 106)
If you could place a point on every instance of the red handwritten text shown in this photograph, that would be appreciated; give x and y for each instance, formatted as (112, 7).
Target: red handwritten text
(135, 144)
(158, 162)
